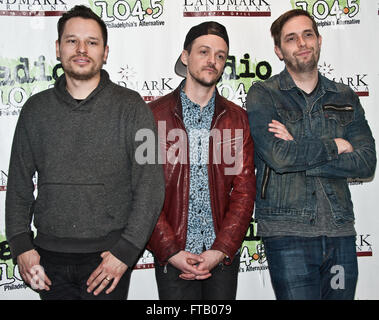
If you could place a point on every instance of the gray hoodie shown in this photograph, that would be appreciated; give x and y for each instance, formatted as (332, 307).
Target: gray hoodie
(92, 194)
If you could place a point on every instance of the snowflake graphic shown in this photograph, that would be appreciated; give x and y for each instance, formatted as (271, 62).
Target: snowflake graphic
(325, 69)
(127, 72)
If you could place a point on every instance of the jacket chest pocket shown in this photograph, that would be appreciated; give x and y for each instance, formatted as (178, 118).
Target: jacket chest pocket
(293, 121)
(337, 118)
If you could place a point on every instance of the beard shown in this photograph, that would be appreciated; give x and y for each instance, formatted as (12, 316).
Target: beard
(205, 82)
(299, 66)
(81, 74)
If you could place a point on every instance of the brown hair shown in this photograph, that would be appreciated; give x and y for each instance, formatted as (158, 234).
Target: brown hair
(85, 13)
(277, 25)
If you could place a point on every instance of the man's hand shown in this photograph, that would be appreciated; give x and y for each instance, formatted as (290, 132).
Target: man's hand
(186, 262)
(279, 130)
(31, 271)
(211, 258)
(343, 145)
(110, 269)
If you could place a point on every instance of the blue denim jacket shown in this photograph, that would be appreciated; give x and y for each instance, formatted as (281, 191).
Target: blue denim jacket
(287, 170)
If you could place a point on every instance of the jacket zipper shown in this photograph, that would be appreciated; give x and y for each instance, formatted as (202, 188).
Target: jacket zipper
(185, 130)
(347, 108)
(266, 177)
(218, 117)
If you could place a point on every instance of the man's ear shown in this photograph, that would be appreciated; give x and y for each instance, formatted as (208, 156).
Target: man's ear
(184, 57)
(278, 52)
(57, 53)
(106, 52)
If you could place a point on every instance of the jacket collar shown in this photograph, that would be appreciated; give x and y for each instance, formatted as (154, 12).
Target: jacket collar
(286, 82)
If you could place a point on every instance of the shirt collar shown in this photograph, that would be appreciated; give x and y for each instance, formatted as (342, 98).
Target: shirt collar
(188, 103)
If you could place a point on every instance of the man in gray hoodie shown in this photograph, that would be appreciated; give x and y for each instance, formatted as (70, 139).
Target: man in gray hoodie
(97, 202)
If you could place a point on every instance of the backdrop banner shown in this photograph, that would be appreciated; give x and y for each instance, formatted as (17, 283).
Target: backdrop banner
(145, 39)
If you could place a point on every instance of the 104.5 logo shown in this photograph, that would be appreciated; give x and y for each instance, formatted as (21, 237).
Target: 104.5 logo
(122, 10)
(321, 9)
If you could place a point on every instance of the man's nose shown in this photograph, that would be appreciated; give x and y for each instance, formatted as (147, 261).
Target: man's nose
(82, 47)
(212, 59)
(300, 41)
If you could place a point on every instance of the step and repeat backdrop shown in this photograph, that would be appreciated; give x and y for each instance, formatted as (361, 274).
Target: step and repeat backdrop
(145, 39)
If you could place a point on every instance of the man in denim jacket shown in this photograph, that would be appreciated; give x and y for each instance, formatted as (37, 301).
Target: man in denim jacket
(310, 135)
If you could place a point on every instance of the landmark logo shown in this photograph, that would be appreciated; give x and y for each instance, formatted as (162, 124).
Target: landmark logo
(149, 89)
(226, 8)
(358, 82)
(33, 8)
(364, 245)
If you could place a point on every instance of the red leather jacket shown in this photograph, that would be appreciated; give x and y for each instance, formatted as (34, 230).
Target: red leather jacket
(232, 195)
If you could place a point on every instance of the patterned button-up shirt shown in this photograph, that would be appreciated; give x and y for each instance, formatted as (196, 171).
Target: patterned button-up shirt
(197, 121)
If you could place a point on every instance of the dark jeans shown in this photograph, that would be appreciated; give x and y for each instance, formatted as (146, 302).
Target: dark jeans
(222, 285)
(314, 268)
(69, 281)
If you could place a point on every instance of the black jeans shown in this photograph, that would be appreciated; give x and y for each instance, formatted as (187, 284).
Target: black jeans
(69, 281)
(222, 285)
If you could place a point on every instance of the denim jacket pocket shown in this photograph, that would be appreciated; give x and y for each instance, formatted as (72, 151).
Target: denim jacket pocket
(293, 120)
(337, 117)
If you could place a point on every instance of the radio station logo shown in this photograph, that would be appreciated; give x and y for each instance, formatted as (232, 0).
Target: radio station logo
(227, 8)
(150, 89)
(10, 278)
(331, 12)
(357, 82)
(239, 74)
(253, 256)
(32, 8)
(129, 14)
(20, 78)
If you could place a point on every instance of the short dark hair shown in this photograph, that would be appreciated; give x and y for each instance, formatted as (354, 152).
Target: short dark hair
(277, 25)
(85, 13)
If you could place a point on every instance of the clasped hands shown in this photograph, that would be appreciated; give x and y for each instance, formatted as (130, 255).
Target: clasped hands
(106, 275)
(196, 267)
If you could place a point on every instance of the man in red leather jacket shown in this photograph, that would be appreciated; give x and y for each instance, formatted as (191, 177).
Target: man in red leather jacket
(208, 204)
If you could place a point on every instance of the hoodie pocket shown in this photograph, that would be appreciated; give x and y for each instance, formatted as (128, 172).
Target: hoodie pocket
(71, 210)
